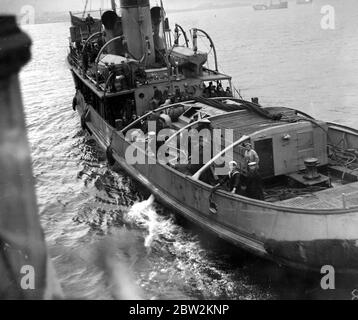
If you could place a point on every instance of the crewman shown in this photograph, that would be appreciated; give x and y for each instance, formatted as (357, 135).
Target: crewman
(254, 186)
(251, 155)
(89, 21)
(233, 179)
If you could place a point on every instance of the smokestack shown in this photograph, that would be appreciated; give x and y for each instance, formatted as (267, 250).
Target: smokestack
(113, 27)
(137, 28)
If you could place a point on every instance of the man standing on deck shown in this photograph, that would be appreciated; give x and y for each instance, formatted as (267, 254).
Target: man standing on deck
(89, 21)
(251, 155)
(254, 187)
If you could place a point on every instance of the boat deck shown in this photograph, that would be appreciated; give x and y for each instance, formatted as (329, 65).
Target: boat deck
(327, 199)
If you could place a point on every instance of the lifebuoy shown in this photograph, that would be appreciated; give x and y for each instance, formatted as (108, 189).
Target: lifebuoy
(110, 159)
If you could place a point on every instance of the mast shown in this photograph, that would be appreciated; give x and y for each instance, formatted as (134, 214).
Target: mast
(85, 9)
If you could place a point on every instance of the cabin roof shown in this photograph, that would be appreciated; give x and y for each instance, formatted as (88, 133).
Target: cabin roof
(246, 122)
(210, 75)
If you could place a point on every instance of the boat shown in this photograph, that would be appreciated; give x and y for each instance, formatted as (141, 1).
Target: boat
(304, 1)
(139, 90)
(280, 5)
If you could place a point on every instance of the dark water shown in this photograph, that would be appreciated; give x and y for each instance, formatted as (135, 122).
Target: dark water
(281, 56)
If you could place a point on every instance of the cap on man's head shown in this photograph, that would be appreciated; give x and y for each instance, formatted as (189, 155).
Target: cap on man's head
(233, 163)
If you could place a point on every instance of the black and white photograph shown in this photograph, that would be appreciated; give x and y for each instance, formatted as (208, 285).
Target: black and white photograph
(180, 155)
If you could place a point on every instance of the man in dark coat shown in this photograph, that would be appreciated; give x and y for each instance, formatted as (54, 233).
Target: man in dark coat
(89, 21)
(254, 186)
(232, 180)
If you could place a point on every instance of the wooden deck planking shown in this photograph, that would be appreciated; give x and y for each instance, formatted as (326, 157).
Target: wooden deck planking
(327, 199)
(247, 122)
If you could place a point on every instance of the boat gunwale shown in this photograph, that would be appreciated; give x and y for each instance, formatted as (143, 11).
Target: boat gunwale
(246, 200)
(346, 129)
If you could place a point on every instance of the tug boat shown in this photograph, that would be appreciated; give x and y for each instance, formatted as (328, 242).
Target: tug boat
(133, 72)
(280, 5)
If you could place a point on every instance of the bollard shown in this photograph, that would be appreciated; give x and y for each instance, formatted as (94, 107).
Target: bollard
(23, 254)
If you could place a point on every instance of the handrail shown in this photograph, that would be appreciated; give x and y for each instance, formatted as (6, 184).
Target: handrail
(101, 51)
(176, 42)
(90, 38)
(337, 126)
(197, 175)
(164, 107)
(183, 129)
(107, 83)
(105, 46)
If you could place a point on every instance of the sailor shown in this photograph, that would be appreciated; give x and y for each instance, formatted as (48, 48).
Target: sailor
(210, 88)
(89, 21)
(254, 187)
(154, 104)
(221, 91)
(251, 155)
(233, 179)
